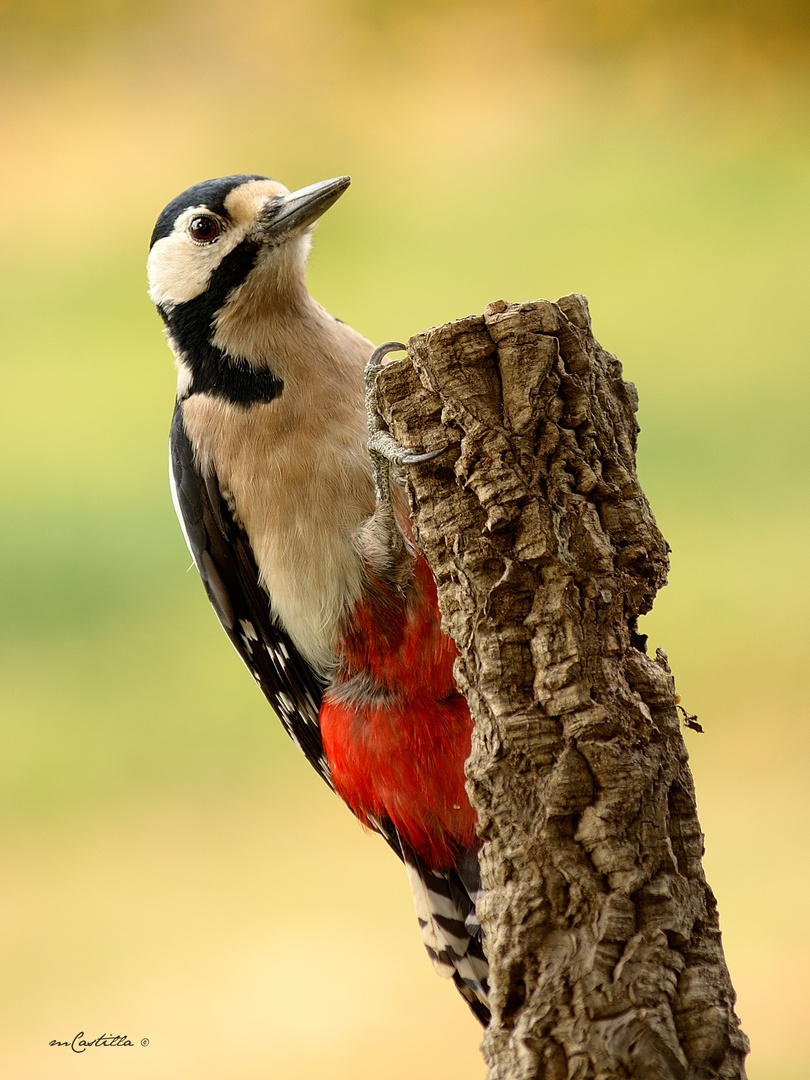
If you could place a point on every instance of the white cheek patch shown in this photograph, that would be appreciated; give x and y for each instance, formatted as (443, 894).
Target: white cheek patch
(179, 269)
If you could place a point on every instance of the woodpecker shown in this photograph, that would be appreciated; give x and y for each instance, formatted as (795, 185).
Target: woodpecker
(307, 561)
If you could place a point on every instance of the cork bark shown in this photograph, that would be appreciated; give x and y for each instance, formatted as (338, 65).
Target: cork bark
(601, 930)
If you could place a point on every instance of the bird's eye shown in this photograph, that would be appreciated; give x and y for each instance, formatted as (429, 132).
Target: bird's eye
(204, 229)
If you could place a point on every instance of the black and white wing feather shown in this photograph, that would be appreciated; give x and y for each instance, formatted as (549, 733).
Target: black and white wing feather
(223, 555)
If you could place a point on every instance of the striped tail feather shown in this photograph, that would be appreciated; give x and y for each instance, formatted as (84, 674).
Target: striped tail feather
(445, 907)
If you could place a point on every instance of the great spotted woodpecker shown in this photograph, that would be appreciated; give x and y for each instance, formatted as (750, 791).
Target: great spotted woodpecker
(310, 570)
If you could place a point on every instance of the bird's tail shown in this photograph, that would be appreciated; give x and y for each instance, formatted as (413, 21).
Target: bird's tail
(445, 907)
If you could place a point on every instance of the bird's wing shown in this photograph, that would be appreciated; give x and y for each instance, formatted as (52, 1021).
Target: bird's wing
(224, 558)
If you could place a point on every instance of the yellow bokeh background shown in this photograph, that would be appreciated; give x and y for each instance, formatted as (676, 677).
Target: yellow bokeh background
(172, 870)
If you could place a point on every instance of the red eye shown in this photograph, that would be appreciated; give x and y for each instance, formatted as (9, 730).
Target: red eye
(204, 229)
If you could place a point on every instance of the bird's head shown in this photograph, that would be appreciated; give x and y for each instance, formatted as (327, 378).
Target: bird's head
(209, 239)
(227, 266)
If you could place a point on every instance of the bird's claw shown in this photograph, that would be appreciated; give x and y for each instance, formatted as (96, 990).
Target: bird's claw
(375, 361)
(384, 448)
(380, 440)
(373, 367)
(416, 459)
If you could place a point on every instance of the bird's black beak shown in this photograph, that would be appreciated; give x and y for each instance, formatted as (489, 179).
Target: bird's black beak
(294, 212)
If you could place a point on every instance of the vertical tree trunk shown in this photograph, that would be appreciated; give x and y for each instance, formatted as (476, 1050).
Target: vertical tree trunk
(602, 932)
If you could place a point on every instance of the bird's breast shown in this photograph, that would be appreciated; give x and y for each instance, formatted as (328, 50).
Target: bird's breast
(302, 490)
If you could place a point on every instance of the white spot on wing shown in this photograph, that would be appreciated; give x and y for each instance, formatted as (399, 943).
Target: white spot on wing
(248, 634)
(286, 703)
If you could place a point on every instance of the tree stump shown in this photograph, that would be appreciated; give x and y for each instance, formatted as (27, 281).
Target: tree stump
(601, 930)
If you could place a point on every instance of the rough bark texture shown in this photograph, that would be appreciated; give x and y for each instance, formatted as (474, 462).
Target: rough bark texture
(602, 932)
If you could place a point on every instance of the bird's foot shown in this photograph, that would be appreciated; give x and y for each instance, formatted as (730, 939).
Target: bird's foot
(384, 448)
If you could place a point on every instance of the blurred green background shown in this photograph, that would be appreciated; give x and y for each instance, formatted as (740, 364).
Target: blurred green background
(172, 869)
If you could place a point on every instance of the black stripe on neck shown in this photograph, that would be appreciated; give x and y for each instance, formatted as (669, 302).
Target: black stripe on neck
(191, 326)
(231, 379)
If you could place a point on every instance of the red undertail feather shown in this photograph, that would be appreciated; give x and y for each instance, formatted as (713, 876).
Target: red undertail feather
(395, 729)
